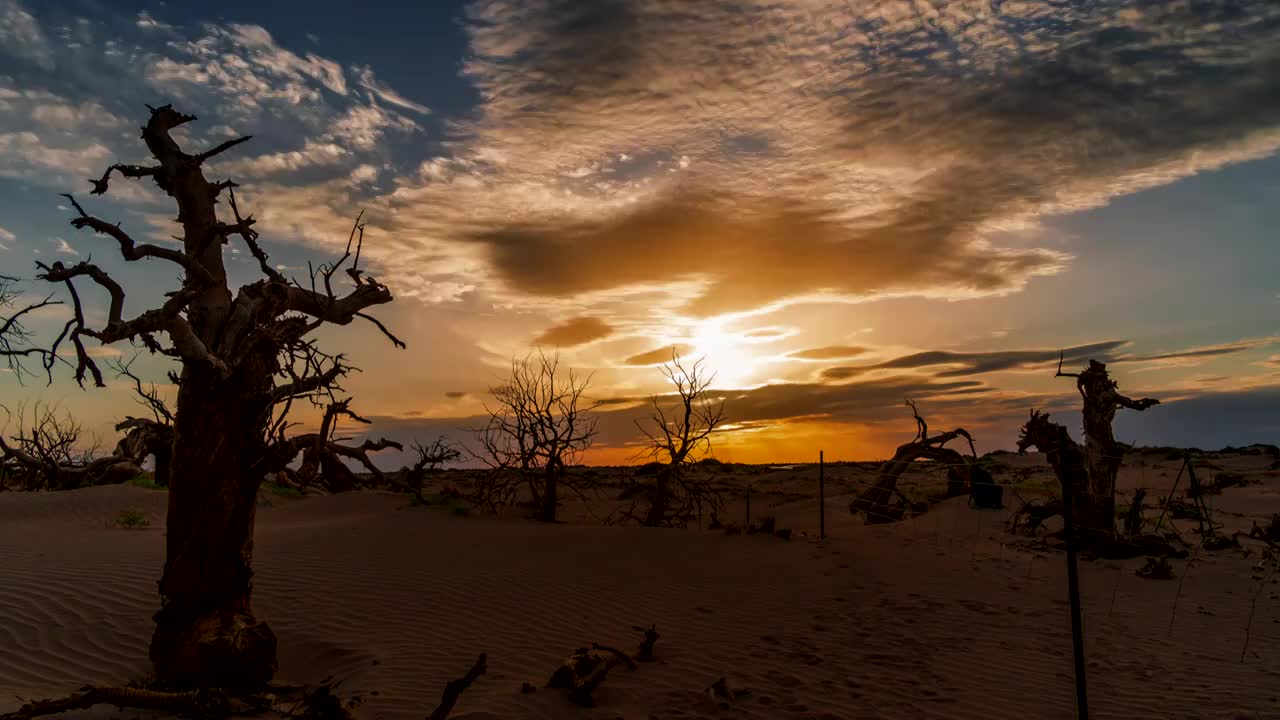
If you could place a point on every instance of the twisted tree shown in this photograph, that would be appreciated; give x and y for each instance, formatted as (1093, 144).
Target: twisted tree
(876, 502)
(234, 347)
(677, 439)
(1095, 500)
(538, 426)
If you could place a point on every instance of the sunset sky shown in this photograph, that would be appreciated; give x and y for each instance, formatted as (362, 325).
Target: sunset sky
(838, 204)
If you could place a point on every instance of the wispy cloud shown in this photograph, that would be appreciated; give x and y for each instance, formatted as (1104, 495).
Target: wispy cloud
(959, 364)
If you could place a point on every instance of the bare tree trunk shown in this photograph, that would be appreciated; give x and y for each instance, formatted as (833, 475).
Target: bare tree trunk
(658, 501)
(550, 496)
(206, 634)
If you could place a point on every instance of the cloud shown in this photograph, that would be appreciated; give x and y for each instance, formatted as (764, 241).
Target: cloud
(883, 151)
(959, 364)
(577, 331)
(388, 95)
(312, 154)
(22, 37)
(456, 394)
(62, 247)
(146, 22)
(6, 236)
(658, 356)
(831, 352)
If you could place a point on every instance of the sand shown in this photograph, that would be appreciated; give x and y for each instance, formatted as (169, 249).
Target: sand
(943, 616)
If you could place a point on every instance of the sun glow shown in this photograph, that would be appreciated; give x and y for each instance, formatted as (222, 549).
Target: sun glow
(724, 353)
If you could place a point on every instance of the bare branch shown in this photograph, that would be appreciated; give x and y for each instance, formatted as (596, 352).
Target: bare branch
(129, 171)
(221, 148)
(129, 249)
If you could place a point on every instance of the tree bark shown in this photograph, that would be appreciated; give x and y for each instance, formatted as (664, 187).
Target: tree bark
(206, 634)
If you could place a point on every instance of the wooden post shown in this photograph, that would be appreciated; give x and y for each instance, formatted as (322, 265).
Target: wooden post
(822, 499)
(1073, 590)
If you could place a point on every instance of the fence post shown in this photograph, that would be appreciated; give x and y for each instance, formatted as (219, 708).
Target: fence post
(822, 499)
(1073, 590)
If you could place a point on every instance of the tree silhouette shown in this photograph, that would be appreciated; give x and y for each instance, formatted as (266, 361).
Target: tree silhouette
(677, 438)
(1095, 501)
(537, 427)
(235, 348)
(876, 502)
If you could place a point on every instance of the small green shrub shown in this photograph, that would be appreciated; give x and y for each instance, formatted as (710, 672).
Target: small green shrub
(132, 520)
(283, 490)
(145, 482)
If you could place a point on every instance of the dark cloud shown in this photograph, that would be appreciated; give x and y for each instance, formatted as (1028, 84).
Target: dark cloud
(752, 256)
(658, 356)
(577, 331)
(831, 352)
(455, 394)
(958, 364)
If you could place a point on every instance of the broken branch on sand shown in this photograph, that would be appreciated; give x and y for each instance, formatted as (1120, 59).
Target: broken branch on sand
(454, 689)
(199, 703)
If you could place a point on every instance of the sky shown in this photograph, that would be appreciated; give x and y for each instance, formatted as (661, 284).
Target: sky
(835, 205)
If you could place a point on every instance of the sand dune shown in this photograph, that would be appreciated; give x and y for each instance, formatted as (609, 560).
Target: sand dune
(937, 617)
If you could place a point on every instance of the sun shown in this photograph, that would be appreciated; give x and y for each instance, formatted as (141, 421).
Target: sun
(724, 353)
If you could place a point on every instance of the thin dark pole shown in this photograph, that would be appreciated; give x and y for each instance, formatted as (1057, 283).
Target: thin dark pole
(748, 527)
(1073, 589)
(822, 500)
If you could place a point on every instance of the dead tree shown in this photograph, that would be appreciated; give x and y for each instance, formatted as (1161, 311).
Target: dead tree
(229, 343)
(876, 502)
(44, 452)
(538, 426)
(677, 439)
(147, 437)
(1095, 505)
(431, 456)
(1070, 464)
(15, 339)
(325, 454)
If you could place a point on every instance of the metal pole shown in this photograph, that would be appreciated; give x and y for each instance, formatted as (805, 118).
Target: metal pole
(822, 500)
(1073, 590)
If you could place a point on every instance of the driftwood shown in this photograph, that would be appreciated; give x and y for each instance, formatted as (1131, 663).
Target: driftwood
(875, 503)
(723, 694)
(454, 689)
(1155, 569)
(581, 673)
(645, 652)
(587, 668)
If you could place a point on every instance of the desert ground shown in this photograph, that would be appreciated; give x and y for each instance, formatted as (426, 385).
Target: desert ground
(946, 615)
